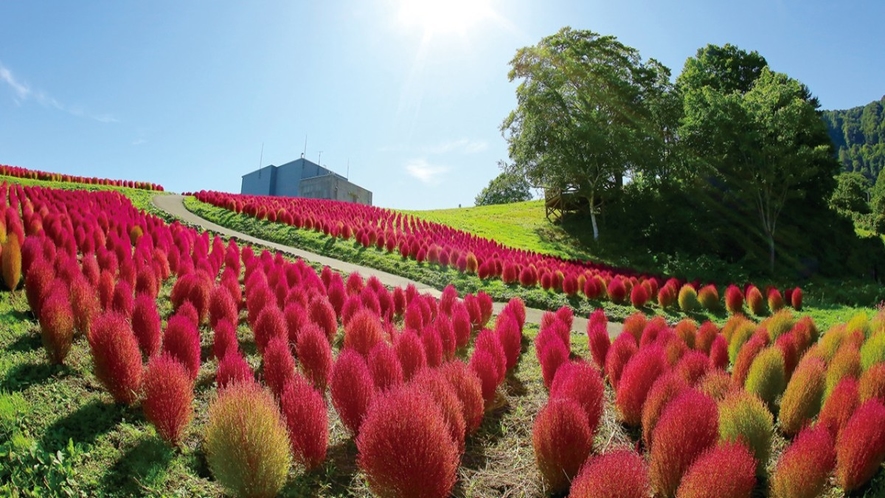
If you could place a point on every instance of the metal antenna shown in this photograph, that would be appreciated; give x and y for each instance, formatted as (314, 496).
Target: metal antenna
(261, 156)
(305, 146)
(320, 158)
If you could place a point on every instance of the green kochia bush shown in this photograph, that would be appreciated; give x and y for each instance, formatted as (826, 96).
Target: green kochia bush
(767, 378)
(744, 418)
(247, 446)
(803, 397)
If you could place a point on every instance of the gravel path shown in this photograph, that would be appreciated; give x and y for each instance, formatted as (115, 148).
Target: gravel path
(174, 205)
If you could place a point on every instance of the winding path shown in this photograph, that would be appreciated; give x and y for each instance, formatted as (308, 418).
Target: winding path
(174, 205)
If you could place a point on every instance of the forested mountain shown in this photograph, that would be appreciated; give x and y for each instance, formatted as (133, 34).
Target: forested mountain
(859, 136)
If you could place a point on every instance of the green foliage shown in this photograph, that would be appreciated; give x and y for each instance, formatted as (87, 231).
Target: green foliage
(688, 299)
(767, 378)
(873, 350)
(505, 188)
(850, 195)
(859, 136)
(744, 418)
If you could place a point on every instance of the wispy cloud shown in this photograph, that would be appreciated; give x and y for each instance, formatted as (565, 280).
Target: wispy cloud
(24, 92)
(139, 141)
(459, 146)
(425, 172)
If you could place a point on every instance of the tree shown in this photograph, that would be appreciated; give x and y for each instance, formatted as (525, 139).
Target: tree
(726, 69)
(758, 146)
(851, 193)
(505, 188)
(581, 121)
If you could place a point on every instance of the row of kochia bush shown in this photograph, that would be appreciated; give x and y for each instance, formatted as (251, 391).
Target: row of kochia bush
(403, 383)
(433, 243)
(707, 403)
(30, 174)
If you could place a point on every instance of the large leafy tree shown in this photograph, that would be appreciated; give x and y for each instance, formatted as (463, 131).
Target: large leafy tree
(505, 188)
(582, 120)
(760, 147)
(851, 193)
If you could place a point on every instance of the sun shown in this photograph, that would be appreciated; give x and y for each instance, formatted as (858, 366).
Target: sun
(436, 17)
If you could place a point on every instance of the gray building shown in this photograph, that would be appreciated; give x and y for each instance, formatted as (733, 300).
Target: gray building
(303, 178)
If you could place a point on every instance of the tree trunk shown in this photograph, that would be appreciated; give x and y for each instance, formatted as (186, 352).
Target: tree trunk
(593, 216)
(771, 252)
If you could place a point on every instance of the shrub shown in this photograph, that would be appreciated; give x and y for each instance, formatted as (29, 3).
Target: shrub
(461, 325)
(873, 350)
(686, 330)
(116, 357)
(802, 399)
(755, 301)
(666, 297)
(384, 366)
(692, 366)
(551, 354)
(270, 324)
(766, 377)
(775, 300)
(433, 348)
(410, 351)
(433, 382)
(665, 389)
(562, 441)
(279, 365)
(724, 471)
(743, 418)
(716, 384)
(635, 325)
(688, 299)
(425, 459)
(11, 262)
(872, 384)
(352, 389)
(304, 411)
(839, 406)
(322, 314)
(597, 337)
(84, 303)
(314, 356)
(616, 474)
(638, 296)
(636, 380)
(622, 349)
(778, 324)
(581, 382)
(168, 397)
(796, 299)
(846, 363)
(233, 368)
(860, 448)
(182, 341)
(705, 335)
(484, 365)
(38, 280)
(616, 290)
(805, 465)
(734, 299)
(224, 339)
(708, 297)
(146, 324)
(686, 428)
(740, 335)
(247, 447)
(787, 346)
(222, 306)
(468, 388)
(719, 353)
(745, 358)
(57, 324)
(510, 337)
(363, 332)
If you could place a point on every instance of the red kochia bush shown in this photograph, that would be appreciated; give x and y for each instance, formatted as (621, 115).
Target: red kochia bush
(562, 440)
(232, 368)
(638, 296)
(404, 446)
(840, 406)
(636, 380)
(182, 341)
(860, 448)
(725, 471)
(581, 382)
(314, 356)
(484, 365)
(687, 427)
(279, 365)
(433, 382)
(619, 354)
(37, 283)
(796, 299)
(805, 465)
(510, 337)
(734, 299)
(597, 336)
(11, 262)
(146, 324)
(224, 339)
(363, 332)
(57, 324)
(270, 324)
(410, 351)
(666, 296)
(665, 389)
(617, 292)
(116, 357)
(384, 366)
(755, 301)
(168, 397)
(617, 474)
(322, 314)
(222, 306)
(468, 388)
(551, 354)
(84, 303)
(352, 389)
(307, 422)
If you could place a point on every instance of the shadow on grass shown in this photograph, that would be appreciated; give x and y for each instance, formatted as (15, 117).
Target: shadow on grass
(25, 375)
(84, 425)
(333, 478)
(25, 344)
(140, 469)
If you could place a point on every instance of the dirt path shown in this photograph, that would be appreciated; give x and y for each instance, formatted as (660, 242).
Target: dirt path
(174, 205)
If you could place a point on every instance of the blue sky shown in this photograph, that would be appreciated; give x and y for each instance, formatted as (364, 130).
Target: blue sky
(185, 93)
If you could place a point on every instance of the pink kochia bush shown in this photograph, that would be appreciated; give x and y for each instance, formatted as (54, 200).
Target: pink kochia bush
(116, 356)
(597, 336)
(168, 397)
(860, 448)
(146, 324)
(57, 325)
(233, 368)
(687, 427)
(724, 471)
(639, 374)
(562, 440)
(804, 466)
(314, 356)
(182, 341)
(468, 388)
(581, 382)
(304, 411)
(352, 389)
(617, 474)
(404, 446)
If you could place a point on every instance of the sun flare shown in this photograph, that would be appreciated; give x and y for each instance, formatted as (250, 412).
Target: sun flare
(443, 16)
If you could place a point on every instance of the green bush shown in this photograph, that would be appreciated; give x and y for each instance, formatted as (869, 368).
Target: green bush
(767, 378)
(744, 418)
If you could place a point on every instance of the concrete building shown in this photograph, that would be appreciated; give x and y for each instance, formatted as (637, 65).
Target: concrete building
(303, 178)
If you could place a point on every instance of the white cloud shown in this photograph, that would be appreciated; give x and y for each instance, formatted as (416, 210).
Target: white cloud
(139, 141)
(425, 172)
(24, 92)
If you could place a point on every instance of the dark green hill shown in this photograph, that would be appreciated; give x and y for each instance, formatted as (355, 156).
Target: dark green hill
(859, 136)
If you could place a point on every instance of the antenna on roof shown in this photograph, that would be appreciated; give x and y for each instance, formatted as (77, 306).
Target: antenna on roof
(305, 146)
(320, 158)
(261, 158)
